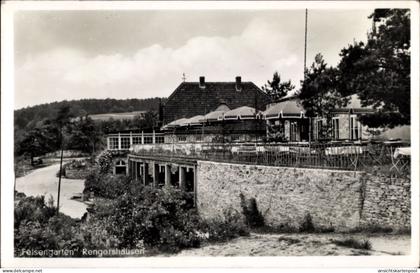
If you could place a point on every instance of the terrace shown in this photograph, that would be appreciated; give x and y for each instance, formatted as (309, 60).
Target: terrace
(339, 155)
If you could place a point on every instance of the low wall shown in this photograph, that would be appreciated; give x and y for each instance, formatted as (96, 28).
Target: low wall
(343, 200)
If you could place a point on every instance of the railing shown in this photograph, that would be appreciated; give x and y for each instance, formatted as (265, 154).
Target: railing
(344, 156)
(123, 142)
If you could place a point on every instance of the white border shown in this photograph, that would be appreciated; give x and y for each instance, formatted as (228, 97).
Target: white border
(7, 176)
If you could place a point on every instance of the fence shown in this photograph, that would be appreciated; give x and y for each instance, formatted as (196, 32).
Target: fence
(344, 156)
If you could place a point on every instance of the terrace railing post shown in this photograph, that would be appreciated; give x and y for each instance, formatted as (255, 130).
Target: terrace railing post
(119, 141)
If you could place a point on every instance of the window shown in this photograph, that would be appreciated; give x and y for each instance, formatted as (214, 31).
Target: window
(137, 140)
(120, 163)
(198, 138)
(148, 139)
(354, 127)
(319, 129)
(125, 143)
(120, 167)
(293, 131)
(182, 138)
(336, 127)
(160, 139)
(113, 143)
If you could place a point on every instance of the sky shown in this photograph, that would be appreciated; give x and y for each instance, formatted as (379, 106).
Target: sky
(66, 55)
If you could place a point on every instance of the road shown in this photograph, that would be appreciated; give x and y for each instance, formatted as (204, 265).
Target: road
(43, 181)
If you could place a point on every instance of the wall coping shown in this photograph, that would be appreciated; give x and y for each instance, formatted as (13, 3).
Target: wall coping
(282, 167)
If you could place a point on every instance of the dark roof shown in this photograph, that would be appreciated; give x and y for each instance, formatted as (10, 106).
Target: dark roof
(189, 99)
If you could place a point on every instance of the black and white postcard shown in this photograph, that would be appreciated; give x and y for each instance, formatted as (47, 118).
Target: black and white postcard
(210, 134)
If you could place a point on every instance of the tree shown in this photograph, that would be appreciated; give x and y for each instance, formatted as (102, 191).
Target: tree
(379, 71)
(84, 135)
(276, 89)
(319, 95)
(36, 142)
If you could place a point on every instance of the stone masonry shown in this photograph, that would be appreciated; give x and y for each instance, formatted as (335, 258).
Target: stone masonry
(343, 200)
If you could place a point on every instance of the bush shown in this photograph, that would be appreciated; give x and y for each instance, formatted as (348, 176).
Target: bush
(38, 228)
(104, 162)
(253, 216)
(108, 185)
(307, 225)
(158, 218)
(353, 243)
(230, 227)
(33, 209)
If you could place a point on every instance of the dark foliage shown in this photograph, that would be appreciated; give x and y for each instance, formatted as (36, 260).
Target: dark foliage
(276, 89)
(253, 216)
(229, 227)
(107, 185)
(38, 228)
(319, 94)
(307, 224)
(33, 209)
(158, 218)
(29, 117)
(379, 70)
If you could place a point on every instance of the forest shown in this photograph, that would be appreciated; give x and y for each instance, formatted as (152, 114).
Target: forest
(44, 128)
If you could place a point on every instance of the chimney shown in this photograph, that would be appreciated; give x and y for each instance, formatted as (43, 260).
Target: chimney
(202, 82)
(238, 83)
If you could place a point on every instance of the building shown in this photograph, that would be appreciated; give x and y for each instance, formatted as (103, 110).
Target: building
(345, 125)
(286, 121)
(200, 98)
(242, 124)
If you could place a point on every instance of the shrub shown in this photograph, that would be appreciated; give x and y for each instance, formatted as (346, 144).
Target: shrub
(104, 162)
(253, 216)
(353, 243)
(230, 227)
(96, 236)
(158, 218)
(38, 228)
(33, 209)
(307, 224)
(108, 185)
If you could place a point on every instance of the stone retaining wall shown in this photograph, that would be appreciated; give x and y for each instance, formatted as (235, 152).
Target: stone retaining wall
(342, 200)
(387, 202)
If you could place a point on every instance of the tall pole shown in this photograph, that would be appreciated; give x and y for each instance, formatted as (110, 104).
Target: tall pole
(61, 169)
(304, 72)
(306, 35)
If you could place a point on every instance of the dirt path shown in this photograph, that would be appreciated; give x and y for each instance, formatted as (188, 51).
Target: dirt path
(43, 181)
(302, 245)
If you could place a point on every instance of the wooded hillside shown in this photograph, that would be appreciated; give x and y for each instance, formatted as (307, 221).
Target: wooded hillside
(30, 117)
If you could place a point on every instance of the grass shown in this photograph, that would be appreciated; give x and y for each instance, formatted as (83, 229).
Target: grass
(354, 243)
